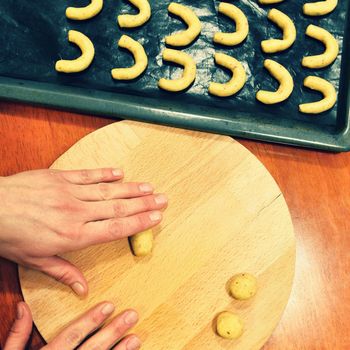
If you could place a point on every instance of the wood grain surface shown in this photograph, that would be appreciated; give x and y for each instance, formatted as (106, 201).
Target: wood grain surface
(226, 215)
(316, 186)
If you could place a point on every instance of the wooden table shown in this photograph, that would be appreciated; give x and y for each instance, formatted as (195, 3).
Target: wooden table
(317, 189)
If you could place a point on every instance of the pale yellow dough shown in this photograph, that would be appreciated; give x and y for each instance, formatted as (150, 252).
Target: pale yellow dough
(328, 91)
(243, 286)
(87, 54)
(133, 21)
(140, 57)
(242, 26)
(331, 52)
(269, 2)
(187, 36)
(229, 325)
(285, 89)
(87, 12)
(320, 8)
(239, 76)
(142, 243)
(189, 73)
(289, 33)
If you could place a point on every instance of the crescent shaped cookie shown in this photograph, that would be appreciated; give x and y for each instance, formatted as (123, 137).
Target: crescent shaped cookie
(87, 54)
(289, 33)
(328, 91)
(285, 80)
(140, 57)
(187, 36)
(242, 26)
(331, 52)
(87, 12)
(189, 73)
(320, 8)
(133, 21)
(236, 83)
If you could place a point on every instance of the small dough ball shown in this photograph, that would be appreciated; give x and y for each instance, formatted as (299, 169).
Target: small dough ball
(243, 286)
(142, 243)
(229, 325)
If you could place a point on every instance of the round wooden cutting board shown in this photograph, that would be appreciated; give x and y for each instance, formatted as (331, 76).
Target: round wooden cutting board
(226, 215)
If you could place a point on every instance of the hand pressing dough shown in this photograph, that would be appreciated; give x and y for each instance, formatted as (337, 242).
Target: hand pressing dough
(87, 54)
(229, 325)
(243, 286)
(239, 76)
(142, 243)
(329, 55)
(289, 33)
(242, 26)
(269, 2)
(87, 12)
(189, 73)
(328, 91)
(133, 21)
(286, 84)
(320, 8)
(140, 57)
(187, 36)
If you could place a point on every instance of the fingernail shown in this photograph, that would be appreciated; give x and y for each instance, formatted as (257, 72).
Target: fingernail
(78, 288)
(161, 199)
(155, 216)
(19, 312)
(146, 188)
(131, 318)
(133, 344)
(107, 309)
(117, 172)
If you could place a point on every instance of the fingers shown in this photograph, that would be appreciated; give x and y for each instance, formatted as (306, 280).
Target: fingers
(115, 229)
(130, 342)
(126, 207)
(115, 330)
(107, 191)
(78, 330)
(21, 328)
(94, 176)
(64, 272)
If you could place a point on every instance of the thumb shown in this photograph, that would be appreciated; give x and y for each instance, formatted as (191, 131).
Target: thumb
(65, 272)
(21, 328)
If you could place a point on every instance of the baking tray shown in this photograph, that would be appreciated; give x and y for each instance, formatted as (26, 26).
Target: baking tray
(34, 36)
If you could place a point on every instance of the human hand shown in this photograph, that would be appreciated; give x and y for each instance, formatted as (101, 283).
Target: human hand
(49, 212)
(73, 336)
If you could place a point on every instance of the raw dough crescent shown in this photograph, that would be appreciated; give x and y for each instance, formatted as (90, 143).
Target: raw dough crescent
(189, 73)
(286, 84)
(187, 36)
(320, 8)
(331, 52)
(87, 54)
(289, 33)
(328, 91)
(133, 21)
(239, 76)
(242, 26)
(140, 57)
(87, 12)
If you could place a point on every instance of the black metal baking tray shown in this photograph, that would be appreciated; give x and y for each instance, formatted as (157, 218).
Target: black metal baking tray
(34, 36)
